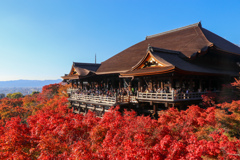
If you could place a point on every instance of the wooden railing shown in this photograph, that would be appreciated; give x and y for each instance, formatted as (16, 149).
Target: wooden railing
(103, 98)
(97, 99)
(165, 97)
(155, 96)
(170, 96)
(71, 90)
(188, 96)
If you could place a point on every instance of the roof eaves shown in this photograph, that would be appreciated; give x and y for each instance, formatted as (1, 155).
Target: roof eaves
(70, 77)
(217, 48)
(170, 69)
(111, 72)
(177, 69)
(79, 63)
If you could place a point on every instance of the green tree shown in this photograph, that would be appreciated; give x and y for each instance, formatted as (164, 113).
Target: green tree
(16, 95)
(34, 92)
(9, 95)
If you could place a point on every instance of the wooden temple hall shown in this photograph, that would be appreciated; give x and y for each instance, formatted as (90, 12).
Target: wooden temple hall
(172, 68)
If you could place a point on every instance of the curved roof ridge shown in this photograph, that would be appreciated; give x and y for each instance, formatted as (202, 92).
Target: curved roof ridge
(211, 43)
(198, 24)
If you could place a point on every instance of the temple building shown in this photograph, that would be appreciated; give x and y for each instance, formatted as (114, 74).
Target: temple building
(165, 69)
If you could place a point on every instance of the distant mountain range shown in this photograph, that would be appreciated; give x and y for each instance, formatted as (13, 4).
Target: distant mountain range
(27, 83)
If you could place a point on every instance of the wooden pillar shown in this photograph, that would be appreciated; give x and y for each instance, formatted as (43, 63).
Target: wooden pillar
(181, 83)
(162, 85)
(155, 109)
(112, 83)
(151, 84)
(158, 84)
(103, 110)
(100, 112)
(171, 83)
(80, 108)
(86, 109)
(107, 84)
(191, 84)
(119, 84)
(140, 84)
(210, 84)
(89, 85)
(200, 85)
(81, 84)
(77, 82)
(129, 86)
(92, 86)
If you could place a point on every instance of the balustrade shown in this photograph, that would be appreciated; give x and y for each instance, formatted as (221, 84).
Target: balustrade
(71, 90)
(170, 96)
(98, 99)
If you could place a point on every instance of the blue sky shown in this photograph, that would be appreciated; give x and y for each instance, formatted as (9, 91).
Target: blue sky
(39, 39)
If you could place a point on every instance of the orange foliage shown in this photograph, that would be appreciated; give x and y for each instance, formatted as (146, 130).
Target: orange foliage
(46, 129)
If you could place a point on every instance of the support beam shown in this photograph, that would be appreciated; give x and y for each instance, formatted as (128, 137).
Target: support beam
(210, 85)
(171, 83)
(140, 85)
(119, 84)
(73, 109)
(200, 85)
(155, 109)
(103, 110)
(151, 84)
(86, 109)
(130, 86)
(81, 84)
(158, 85)
(191, 84)
(162, 85)
(181, 83)
(79, 108)
(77, 83)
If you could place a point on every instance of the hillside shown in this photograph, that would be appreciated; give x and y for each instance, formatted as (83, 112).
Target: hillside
(27, 83)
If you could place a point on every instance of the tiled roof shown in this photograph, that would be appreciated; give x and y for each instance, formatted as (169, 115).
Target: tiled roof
(70, 77)
(82, 69)
(189, 41)
(89, 66)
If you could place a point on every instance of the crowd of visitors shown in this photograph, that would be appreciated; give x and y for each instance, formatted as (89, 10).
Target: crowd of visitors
(167, 90)
(125, 91)
(106, 92)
